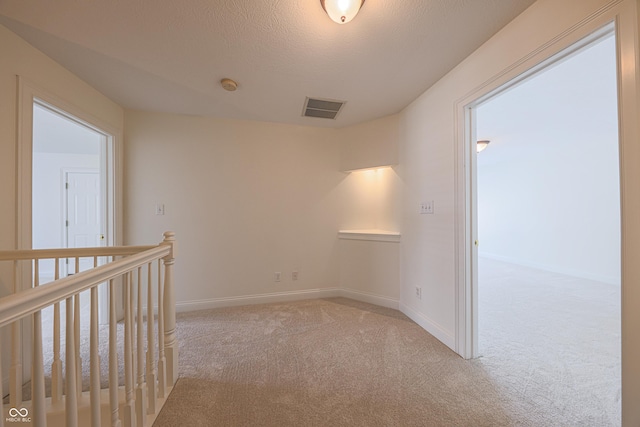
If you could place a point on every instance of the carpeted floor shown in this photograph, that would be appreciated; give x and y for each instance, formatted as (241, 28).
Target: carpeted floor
(338, 362)
(553, 342)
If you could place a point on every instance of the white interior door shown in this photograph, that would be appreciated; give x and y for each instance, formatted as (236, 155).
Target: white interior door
(83, 222)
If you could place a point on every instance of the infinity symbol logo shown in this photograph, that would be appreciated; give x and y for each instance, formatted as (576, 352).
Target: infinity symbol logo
(22, 412)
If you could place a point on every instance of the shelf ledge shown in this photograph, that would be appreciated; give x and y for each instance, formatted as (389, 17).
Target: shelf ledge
(371, 234)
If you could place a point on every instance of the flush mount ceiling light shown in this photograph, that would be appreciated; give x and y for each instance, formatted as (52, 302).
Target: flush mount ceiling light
(341, 11)
(482, 145)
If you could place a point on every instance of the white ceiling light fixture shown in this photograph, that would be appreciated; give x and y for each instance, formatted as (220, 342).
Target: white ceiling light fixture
(482, 145)
(341, 11)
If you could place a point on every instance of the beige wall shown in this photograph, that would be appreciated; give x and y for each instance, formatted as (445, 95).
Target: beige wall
(370, 144)
(246, 199)
(431, 134)
(20, 58)
(428, 145)
(17, 57)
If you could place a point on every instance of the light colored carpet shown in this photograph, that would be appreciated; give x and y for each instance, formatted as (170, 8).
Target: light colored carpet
(331, 362)
(550, 348)
(552, 341)
(337, 362)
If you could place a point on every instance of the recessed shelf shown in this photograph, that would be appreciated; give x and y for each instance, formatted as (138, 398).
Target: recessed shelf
(370, 234)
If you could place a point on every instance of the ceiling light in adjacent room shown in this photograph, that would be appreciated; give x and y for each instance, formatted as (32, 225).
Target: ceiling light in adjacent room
(482, 145)
(342, 11)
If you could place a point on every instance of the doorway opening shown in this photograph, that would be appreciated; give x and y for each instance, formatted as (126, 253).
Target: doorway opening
(69, 197)
(547, 206)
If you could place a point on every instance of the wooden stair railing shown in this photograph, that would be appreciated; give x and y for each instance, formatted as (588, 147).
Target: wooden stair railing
(147, 380)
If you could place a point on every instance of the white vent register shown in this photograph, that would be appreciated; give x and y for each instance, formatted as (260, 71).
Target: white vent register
(322, 108)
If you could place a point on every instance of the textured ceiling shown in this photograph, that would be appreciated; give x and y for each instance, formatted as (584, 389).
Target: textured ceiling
(169, 55)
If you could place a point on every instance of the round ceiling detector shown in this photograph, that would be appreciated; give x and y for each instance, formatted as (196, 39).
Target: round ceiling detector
(228, 84)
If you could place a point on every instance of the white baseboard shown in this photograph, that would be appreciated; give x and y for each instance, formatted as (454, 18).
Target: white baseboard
(370, 298)
(257, 299)
(287, 296)
(429, 325)
(612, 280)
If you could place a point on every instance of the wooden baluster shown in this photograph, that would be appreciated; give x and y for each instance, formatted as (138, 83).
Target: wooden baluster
(56, 366)
(71, 396)
(151, 363)
(171, 347)
(141, 387)
(162, 362)
(38, 410)
(113, 356)
(95, 356)
(134, 359)
(15, 375)
(76, 319)
(129, 405)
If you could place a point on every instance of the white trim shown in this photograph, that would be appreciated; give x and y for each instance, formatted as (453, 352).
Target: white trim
(371, 235)
(256, 299)
(367, 168)
(370, 298)
(275, 297)
(28, 93)
(564, 44)
(430, 326)
(611, 280)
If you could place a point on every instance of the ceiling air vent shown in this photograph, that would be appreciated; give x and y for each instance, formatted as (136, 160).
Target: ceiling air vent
(322, 108)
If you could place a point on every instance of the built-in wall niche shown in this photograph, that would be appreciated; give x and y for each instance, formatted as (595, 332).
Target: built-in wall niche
(371, 205)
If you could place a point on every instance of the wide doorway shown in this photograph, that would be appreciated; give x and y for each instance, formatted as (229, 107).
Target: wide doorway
(548, 223)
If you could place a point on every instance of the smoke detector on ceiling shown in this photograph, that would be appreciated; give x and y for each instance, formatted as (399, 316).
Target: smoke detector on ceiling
(322, 108)
(229, 85)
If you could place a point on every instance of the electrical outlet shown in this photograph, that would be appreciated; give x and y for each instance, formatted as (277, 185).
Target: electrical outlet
(294, 275)
(418, 292)
(277, 276)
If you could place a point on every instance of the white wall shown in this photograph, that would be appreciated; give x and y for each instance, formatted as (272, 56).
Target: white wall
(427, 168)
(370, 144)
(259, 197)
(548, 184)
(370, 269)
(430, 129)
(246, 199)
(20, 58)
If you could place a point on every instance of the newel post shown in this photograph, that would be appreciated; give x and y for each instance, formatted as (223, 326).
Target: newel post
(169, 306)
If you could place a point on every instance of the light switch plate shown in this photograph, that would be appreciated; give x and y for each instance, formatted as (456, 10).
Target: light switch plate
(427, 207)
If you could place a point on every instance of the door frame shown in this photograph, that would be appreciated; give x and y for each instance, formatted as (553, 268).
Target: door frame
(29, 93)
(623, 14)
(471, 189)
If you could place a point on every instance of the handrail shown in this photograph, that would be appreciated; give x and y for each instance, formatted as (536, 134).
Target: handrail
(16, 306)
(30, 254)
(145, 386)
